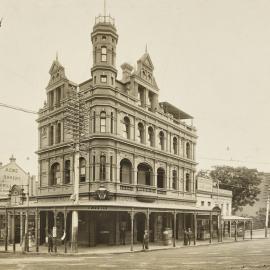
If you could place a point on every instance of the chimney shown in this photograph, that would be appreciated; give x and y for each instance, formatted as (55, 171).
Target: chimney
(126, 72)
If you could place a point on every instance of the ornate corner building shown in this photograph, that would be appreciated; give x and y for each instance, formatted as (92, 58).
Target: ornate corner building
(136, 155)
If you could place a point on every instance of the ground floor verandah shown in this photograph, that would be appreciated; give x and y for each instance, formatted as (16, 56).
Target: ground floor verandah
(76, 228)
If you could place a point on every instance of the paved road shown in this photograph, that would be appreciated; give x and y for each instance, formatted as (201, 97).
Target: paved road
(248, 255)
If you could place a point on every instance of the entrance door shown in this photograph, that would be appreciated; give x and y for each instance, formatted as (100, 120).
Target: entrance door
(140, 220)
(103, 228)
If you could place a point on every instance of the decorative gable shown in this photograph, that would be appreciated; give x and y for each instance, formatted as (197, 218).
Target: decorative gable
(145, 69)
(57, 72)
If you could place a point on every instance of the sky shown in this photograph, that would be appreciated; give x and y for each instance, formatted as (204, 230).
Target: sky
(211, 58)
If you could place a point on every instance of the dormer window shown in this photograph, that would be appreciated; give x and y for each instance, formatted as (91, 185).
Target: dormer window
(103, 54)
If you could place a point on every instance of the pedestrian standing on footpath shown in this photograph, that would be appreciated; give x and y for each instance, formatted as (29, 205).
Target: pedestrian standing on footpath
(185, 237)
(123, 233)
(50, 242)
(145, 240)
(189, 235)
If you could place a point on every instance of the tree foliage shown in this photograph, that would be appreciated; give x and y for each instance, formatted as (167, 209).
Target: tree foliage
(243, 183)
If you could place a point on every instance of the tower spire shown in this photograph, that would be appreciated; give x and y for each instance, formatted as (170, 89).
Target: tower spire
(56, 57)
(146, 48)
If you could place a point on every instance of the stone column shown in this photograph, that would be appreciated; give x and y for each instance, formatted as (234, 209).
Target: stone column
(132, 230)
(13, 230)
(230, 229)
(65, 230)
(174, 228)
(244, 229)
(195, 227)
(211, 227)
(74, 232)
(6, 231)
(37, 230)
(235, 231)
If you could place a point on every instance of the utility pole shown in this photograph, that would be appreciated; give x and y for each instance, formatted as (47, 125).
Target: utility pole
(76, 124)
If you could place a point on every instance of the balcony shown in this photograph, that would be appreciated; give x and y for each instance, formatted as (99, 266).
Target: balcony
(142, 193)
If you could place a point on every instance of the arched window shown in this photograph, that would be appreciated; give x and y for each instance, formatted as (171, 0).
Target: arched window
(58, 133)
(103, 54)
(151, 136)
(175, 144)
(103, 122)
(102, 168)
(51, 135)
(141, 133)
(112, 57)
(67, 171)
(188, 182)
(54, 174)
(95, 55)
(82, 166)
(126, 131)
(160, 178)
(125, 171)
(161, 140)
(188, 150)
(174, 179)
(144, 174)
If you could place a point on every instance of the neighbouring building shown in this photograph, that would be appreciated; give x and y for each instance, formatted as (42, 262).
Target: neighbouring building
(137, 157)
(12, 174)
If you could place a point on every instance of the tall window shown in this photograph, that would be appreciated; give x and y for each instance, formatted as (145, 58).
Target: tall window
(125, 171)
(161, 140)
(188, 153)
(67, 171)
(175, 144)
(51, 137)
(54, 174)
(187, 182)
(141, 133)
(112, 57)
(174, 179)
(103, 122)
(141, 97)
(111, 168)
(82, 166)
(51, 99)
(58, 133)
(126, 131)
(58, 97)
(160, 178)
(95, 55)
(94, 168)
(94, 122)
(103, 54)
(151, 136)
(111, 122)
(102, 171)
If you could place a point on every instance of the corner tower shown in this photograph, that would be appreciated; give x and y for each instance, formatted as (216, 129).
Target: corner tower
(104, 40)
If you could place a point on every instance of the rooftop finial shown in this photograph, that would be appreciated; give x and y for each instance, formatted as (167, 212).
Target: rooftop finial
(146, 48)
(56, 58)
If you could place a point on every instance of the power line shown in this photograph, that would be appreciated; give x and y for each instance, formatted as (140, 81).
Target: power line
(17, 108)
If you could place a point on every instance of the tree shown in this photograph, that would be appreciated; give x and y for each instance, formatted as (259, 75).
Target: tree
(243, 183)
(259, 219)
